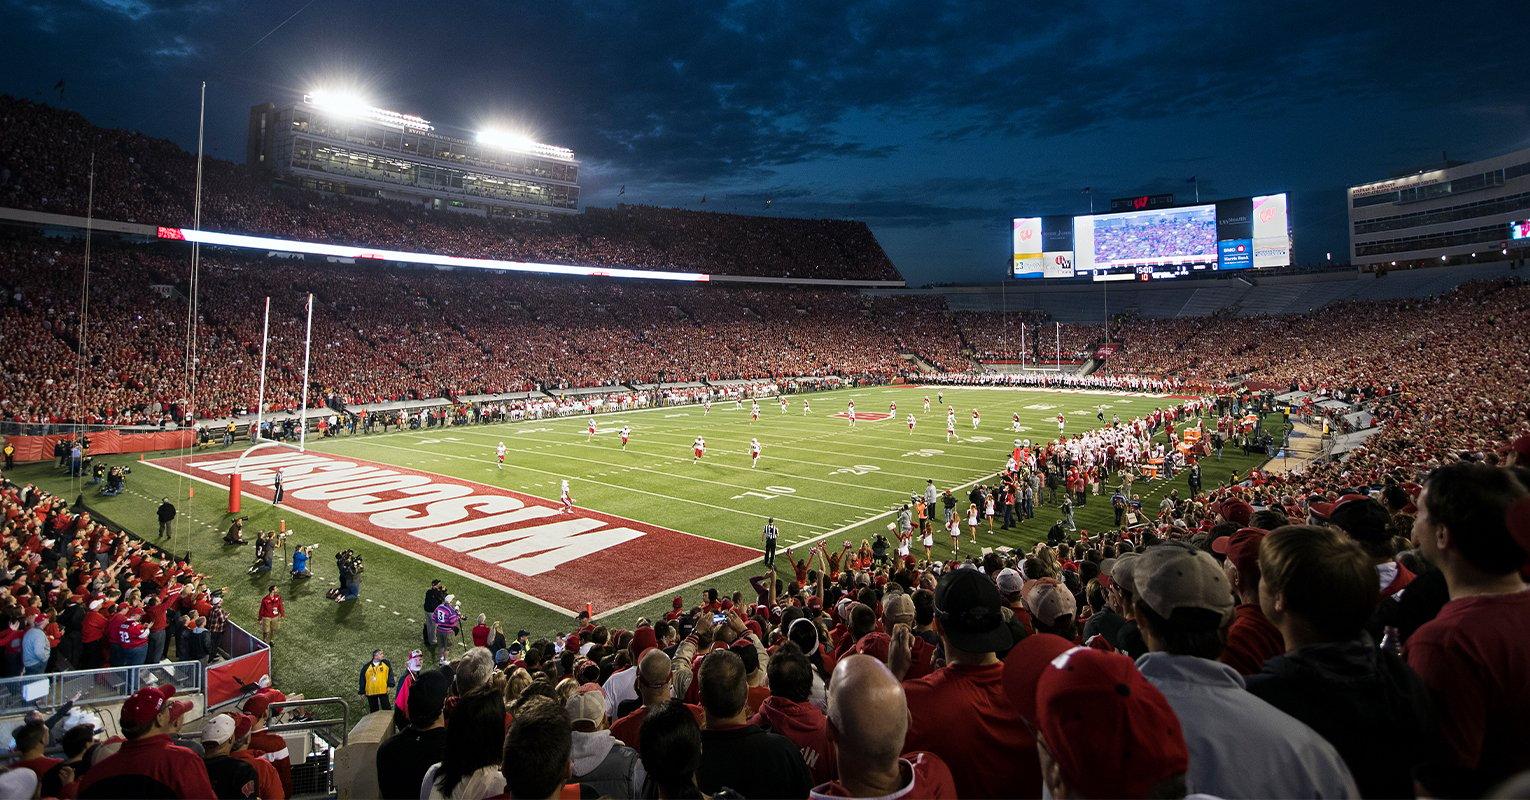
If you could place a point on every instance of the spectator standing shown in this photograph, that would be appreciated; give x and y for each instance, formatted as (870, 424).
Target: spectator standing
(231, 777)
(447, 619)
(271, 747)
(272, 612)
(475, 739)
(1319, 589)
(148, 765)
(268, 783)
(787, 711)
(959, 712)
(166, 514)
(868, 720)
(403, 759)
(1240, 746)
(35, 649)
(655, 685)
(600, 761)
(1103, 729)
(673, 756)
(375, 681)
(735, 754)
(536, 752)
(1475, 655)
(1251, 639)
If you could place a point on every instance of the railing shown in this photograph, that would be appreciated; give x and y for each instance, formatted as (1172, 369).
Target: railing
(94, 686)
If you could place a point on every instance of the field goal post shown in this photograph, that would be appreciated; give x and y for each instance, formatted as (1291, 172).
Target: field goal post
(236, 478)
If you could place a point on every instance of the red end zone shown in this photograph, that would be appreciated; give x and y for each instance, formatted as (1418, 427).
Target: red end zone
(516, 541)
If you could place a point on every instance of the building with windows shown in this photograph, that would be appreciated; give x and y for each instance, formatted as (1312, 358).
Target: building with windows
(1456, 214)
(342, 145)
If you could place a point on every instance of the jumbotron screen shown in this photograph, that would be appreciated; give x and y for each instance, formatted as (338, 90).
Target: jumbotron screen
(1153, 244)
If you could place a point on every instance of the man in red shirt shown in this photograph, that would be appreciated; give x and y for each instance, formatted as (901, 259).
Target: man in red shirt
(272, 611)
(787, 711)
(1474, 655)
(1105, 730)
(959, 712)
(268, 782)
(272, 747)
(655, 686)
(1251, 638)
(31, 740)
(868, 720)
(148, 765)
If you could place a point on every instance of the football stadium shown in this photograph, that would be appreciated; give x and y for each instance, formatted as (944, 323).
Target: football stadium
(358, 448)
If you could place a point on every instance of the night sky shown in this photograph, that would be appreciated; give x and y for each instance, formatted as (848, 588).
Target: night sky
(934, 122)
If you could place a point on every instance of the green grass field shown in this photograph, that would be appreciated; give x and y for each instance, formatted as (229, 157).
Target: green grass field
(818, 477)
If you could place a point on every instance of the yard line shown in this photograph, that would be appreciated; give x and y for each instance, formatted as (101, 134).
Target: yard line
(740, 487)
(644, 451)
(597, 483)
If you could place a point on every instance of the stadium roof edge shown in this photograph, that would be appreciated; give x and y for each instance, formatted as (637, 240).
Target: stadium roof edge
(266, 244)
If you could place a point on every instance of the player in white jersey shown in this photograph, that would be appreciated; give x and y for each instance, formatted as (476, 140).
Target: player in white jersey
(499, 453)
(626, 433)
(706, 405)
(566, 498)
(754, 453)
(926, 404)
(784, 404)
(698, 449)
(806, 406)
(976, 418)
(738, 403)
(892, 408)
(1062, 422)
(950, 427)
(911, 423)
(850, 412)
(754, 410)
(589, 431)
(1014, 421)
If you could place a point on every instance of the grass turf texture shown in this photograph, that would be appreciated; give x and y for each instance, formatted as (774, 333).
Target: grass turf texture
(818, 477)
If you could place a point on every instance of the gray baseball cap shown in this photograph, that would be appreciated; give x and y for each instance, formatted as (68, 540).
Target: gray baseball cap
(1177, 575)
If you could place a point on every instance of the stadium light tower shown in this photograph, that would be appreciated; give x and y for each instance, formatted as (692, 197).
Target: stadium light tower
(350, 104)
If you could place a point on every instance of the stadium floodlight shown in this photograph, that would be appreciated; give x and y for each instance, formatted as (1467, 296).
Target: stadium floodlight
(517, 142)
(349, 104)
(354, 105)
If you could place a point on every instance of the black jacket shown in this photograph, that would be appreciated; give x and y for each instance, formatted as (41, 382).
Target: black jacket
(403, 760)
(231, 778)
(166, 512)
(434, 597)
(753, 763)
(1368, 704)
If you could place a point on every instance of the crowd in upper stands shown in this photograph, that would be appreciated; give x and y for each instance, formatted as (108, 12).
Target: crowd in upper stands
(45, 160)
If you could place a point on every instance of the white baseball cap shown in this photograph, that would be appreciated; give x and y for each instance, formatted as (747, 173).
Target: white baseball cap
(219, 729)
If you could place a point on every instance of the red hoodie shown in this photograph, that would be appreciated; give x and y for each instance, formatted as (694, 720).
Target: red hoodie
(807, 728)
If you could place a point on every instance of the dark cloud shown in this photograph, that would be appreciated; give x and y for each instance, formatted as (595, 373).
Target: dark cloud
(918, 115)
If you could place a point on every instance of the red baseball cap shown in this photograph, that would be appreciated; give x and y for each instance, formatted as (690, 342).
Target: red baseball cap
(146, 703)
(643, 640)
(1084, 694)
(1235, 510)
(677, 601)
(1242, 549)
(1024, 665)
(257, 704)
(876, 645)
(243, 723)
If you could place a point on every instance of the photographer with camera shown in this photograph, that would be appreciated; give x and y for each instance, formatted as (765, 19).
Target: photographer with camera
(235, 533)
(300, 560)
(265, 549)
(115, 478)
(349, 563)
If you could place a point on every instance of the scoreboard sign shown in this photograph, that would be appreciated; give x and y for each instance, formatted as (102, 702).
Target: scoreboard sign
(1141, 202)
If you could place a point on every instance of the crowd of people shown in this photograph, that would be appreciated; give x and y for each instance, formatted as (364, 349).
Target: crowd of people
(46, 156)
(383, 335)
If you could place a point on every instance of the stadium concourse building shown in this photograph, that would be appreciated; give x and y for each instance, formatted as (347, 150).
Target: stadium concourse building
(342, 145)
(1458, 214)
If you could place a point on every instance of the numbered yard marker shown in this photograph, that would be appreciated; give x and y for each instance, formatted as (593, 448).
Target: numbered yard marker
(858, 469)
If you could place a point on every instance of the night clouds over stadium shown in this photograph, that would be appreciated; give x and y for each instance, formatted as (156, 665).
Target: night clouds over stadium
(936, 123)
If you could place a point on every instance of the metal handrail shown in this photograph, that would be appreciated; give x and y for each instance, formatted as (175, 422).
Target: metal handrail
(118, 683)
(315, 724)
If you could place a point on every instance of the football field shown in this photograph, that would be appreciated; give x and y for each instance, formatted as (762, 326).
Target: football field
(649, 522)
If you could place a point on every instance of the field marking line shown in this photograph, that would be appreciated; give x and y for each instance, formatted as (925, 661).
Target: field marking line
(686, 477)
(597, 483)
(751, 470)
(784, 445)
(549, 605)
